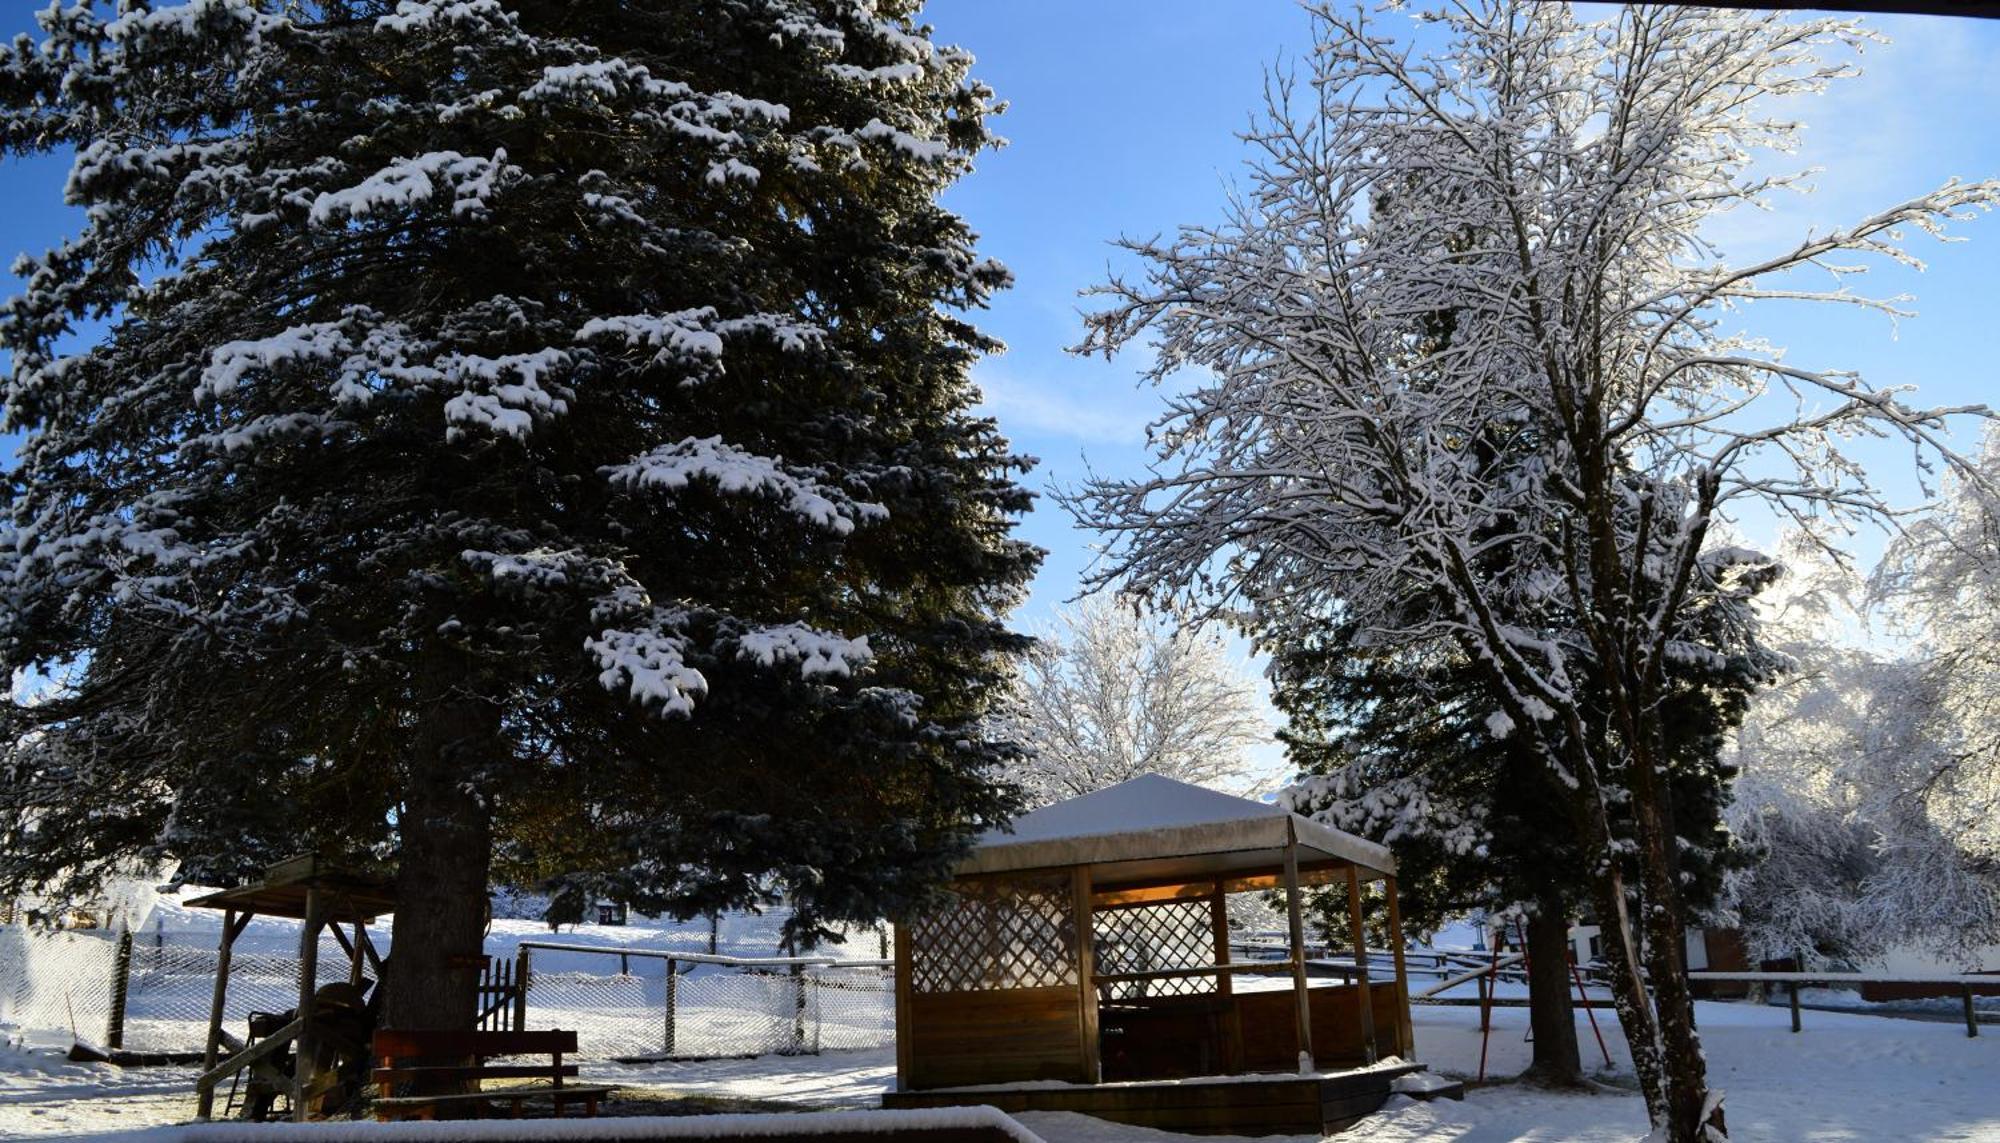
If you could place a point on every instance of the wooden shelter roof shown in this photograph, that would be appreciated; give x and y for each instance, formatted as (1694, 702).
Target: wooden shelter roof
(1154, 829)
(344, 895)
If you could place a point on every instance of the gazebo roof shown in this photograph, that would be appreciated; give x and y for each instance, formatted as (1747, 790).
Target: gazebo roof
(1154, 828)
(345, 896)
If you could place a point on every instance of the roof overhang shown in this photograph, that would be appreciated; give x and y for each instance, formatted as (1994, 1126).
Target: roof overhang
(1244, 847)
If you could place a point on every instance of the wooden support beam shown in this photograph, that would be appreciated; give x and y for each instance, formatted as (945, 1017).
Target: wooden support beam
(1225, 983)
(1218, 925)
(1086, 968)
(341, 939)
(1405, 1042)
(374, 958)
(354, 973)
(249, 1057)
(904, 967)
(1360, 931)
(1110, 894)
(1295, 921)
(205, 1099)
(302, 1069)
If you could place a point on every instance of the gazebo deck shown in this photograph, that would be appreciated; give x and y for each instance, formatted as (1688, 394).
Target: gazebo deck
(1255, 1104)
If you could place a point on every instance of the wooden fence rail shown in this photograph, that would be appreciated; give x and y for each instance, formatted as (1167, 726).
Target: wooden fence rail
(1964, 982)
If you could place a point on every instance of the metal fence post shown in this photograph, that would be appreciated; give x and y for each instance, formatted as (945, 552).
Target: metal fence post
(521, 990)
(121, 985)
(799, 1008)
(673, 990)
(1971, 1021)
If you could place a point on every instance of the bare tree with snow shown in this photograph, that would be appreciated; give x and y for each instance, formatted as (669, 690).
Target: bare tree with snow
(1867, 777)
(1461, 373)
(1111, 693)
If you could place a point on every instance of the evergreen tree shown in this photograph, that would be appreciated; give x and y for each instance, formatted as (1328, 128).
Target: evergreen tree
(1401, 749)
(539, 429)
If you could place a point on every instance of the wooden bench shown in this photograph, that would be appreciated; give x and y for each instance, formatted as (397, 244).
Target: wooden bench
(418, 1072)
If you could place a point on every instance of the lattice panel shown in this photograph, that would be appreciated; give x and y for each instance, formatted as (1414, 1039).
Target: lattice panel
(1150, 938)
(1022, 935)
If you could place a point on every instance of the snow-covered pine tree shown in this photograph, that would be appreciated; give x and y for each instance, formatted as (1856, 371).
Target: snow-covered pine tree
(540, 426)
(1320, 454)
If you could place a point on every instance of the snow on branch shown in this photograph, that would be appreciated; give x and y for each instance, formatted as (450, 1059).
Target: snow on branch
(815, 652)
(696, 336)
(503, 395)
(407, 183)
(413, 16)
(735, 471)
(649, 664)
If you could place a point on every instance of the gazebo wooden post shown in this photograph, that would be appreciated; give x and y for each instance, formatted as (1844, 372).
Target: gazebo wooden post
(1403, 1037)
(1086, 970)
(305, 1046)
(905, 966)
(1232, 1017)
(205, 1104)
(1218, 922)
(1367, 994)
(1295, 918)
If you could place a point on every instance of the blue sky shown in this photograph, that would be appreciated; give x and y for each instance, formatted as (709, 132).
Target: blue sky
(1123, 120)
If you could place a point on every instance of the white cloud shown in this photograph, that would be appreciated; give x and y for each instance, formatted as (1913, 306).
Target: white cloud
(1913, 118)
(1103, 410)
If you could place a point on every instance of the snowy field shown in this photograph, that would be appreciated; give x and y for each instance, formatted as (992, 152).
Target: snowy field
(1846, 1078)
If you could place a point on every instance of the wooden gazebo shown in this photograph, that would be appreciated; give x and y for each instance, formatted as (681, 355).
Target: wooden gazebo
(1090, 945)
(320, 897)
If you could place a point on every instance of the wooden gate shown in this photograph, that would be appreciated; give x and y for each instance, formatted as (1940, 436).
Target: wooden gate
(499, 993)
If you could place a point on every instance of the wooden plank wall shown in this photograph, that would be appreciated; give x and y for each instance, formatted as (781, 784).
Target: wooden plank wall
(1002, 1036)
(1270, 1043)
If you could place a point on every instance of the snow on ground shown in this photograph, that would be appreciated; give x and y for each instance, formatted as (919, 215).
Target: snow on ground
(43, 1094)
(1845, 1078)
(831, 1079)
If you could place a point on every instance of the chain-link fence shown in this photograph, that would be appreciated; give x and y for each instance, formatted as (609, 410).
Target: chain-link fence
(170, 987)
(139, 993)
(146, 994)
(57, 981)
(692, 1006)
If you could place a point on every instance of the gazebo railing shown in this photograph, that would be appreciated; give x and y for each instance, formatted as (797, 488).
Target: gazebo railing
(1180, 973)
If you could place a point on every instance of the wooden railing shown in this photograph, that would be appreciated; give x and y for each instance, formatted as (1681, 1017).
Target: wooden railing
(253, 1057)
(1965, 983)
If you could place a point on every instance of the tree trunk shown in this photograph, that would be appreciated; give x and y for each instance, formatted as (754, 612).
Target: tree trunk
(1621, 942)
(1551, 1009)
(1689, 1110)
(446, 831)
